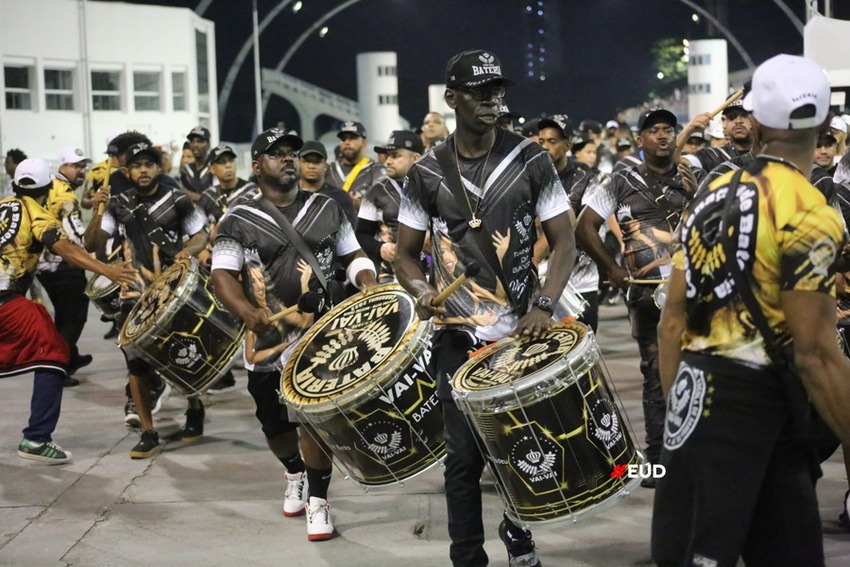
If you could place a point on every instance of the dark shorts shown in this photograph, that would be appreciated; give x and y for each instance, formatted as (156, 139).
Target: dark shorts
(29, 339)
(272, 415)
(739, 482)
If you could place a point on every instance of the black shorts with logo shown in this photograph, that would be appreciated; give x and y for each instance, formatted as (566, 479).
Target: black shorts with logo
(272, 415)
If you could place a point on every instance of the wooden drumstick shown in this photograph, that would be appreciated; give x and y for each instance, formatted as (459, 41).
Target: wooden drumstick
(643, 282)
(309, 302)
(102, 206)
(735, 96)
(471, 271)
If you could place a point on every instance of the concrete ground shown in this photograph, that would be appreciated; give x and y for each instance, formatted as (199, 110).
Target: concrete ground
(217, 502)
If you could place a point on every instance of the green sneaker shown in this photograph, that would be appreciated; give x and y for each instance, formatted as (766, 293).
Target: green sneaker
(47, 452)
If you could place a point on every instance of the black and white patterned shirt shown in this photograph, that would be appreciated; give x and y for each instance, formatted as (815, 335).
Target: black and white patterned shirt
(520, 182)
(377, 221)
(215, 201)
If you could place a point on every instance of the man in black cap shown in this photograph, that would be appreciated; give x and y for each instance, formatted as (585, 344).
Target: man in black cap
(502, 181)
(377, 220)
(507, 118)
(313, 159)
(154, 219)
(647, 200)
(217, 199)
(355, 172)
(604, 157)
(196, 177)
(556, 136)
(738, 130)
(260, 242)
(695, 142)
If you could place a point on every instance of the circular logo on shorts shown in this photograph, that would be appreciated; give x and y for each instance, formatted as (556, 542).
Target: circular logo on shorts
(684, 406)
(10, 221)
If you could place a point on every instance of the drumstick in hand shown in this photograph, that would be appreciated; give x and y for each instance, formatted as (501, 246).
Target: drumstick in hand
(732, 98)
(102, 206)
(310, 302)
(471, 271)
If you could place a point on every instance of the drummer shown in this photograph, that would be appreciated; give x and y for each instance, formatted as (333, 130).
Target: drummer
(377, 219)
(153, 219)
(507, 181)
(257, 241)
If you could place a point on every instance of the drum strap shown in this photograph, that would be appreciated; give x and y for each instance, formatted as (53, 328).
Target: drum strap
(150, 227)
(296, 240)
(455, 184)
(654, 193)
(781, 358)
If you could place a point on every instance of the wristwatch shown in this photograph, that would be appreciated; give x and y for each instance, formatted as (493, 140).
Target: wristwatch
(545, 303)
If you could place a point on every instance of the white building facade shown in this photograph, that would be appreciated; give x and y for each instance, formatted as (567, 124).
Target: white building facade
(377, 91)
(76, 71)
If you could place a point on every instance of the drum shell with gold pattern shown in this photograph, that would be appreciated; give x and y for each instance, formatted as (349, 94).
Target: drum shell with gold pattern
(104, 293)
(359, 380)
(550, 426)
(183, 330)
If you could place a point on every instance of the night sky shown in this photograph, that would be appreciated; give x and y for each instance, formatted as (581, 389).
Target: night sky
(604, 48)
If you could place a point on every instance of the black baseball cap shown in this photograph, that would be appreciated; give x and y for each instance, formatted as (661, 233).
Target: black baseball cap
(143, 149)
(530, 127)
(355, 128)
(272, 136)
(199, 132)
(473, 69)
(579, 140)
(221, 150)
(623, 143)
(402, 140)
(559, 122)
(590, 126)
(314, 147)
(736, 108)
(654, 116)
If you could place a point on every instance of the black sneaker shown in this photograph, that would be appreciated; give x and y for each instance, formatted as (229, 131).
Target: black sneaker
(648, 482)
(194, 428)
(69, 382)
(844, 516)
(131, 416)
(226, 384)
(147, 447)
(112, 333)
(520, 546)
(78, 362)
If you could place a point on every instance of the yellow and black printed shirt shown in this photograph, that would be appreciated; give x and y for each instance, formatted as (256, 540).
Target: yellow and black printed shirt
(62, 203)
(787, 238)
(25, 229)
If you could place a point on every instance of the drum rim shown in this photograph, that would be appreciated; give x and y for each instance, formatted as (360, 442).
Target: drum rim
(91, 293)
(366, 388)
(192, 273)
(552, 377)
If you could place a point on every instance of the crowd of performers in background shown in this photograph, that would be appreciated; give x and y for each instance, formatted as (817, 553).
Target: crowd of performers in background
(148, 213)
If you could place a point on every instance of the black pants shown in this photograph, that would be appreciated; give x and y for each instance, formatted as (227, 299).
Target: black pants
(590, 317)
(66, 288)
(464, 462)
(644, 317)
(737, 482)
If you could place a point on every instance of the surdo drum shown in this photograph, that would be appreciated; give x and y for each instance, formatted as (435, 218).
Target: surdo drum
(104, 293)
(183, 330)
(358, 380)
(550, 428)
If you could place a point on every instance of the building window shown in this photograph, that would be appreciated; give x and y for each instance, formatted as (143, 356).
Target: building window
(203, 72)
(59, 89)
(19, 87)
(178, 90)
(700, 89)
(106, 90)
(387, 99)
(146, 90)
(387, 71)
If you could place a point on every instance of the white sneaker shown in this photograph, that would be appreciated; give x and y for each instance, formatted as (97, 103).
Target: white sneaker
(319, 526)
(159, 397)
(295, 498)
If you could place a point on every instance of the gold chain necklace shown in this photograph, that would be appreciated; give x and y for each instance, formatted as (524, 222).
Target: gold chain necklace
(474, 222)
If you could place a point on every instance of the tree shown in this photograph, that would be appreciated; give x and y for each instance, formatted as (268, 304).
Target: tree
(670, 62)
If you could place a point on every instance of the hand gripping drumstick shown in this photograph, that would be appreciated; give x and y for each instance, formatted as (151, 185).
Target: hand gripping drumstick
(102, 206)
(471, 271)
(309, 302)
